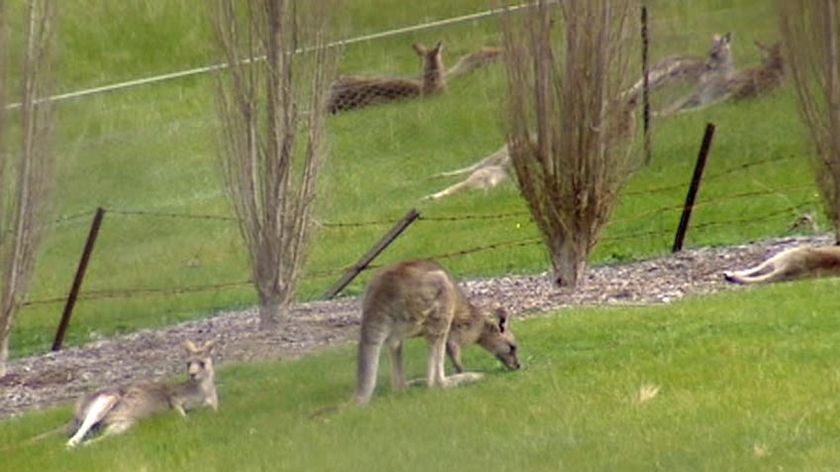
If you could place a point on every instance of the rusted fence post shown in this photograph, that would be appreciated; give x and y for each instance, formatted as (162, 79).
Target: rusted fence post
(383, 243)
(694, 187)
(77, 280)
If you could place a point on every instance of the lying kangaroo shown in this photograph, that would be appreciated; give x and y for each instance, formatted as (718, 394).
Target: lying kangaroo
(689, 69)
(748, 83)
(351, 92)
(420, 298)
(484, 174)
(474, 60)
(758, 81)
(796, 263)
(116, 409)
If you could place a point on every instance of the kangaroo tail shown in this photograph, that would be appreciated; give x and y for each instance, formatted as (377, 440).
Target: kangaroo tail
(366, 369)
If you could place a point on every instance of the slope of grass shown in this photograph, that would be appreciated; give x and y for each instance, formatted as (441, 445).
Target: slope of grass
(154, 149)
(747, 381)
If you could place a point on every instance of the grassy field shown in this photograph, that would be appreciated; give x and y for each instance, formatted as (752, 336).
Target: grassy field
(153, 149)
(747, 381)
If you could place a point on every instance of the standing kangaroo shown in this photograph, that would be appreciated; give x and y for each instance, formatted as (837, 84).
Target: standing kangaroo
(420, 298)
(116, 409)
(351, 92)
(796, 263)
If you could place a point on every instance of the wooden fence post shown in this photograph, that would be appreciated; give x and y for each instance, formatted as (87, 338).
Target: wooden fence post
(646, 87)
(383, 243)
(694, 187)
(77, 280)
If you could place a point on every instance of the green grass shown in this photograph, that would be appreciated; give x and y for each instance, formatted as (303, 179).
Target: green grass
(748, 381)
(154, 149)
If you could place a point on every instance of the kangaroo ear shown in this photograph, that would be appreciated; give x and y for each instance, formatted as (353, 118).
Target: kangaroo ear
(207, 348)
(419, 49)
(727, 37)
(504, 319)
(439, 46)
(190, 347)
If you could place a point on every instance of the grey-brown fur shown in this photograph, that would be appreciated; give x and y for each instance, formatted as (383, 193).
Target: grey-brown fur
(351, 92)
(796, 263)
(420, 298)
(673, 70)
(114, 410)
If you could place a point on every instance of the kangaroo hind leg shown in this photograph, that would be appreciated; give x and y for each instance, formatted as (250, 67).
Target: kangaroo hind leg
(93, 414)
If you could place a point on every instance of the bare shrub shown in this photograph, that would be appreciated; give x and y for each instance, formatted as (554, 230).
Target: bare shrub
(811, 32)
(570, 133)
(25, 163)
(272, 104)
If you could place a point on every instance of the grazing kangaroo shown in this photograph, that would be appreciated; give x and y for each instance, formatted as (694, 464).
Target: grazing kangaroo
(475, 60)
(116, 409)
(689, 69)
(484, 174)
(351, 92)
(796, 263)
(420, 298)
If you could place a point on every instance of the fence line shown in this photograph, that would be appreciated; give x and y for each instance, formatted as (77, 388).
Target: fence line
(103, 294)
(477, 16)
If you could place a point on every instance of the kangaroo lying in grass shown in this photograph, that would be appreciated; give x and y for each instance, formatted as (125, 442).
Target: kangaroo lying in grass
(688, 69)
(116, 409)
(796, 263)
(420, 298)
(351, 92)
(484, 174)
(746, 84)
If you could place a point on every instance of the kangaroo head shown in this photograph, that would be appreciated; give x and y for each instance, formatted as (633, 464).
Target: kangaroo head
(200, 361)
(772, 54)
(432, 65)
(720, 55)
(497, 338)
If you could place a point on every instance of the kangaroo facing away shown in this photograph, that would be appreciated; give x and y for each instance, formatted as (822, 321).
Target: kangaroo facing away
(116, 409)
(796, 263)
(420, 298)
(351, 92)
(758, 81)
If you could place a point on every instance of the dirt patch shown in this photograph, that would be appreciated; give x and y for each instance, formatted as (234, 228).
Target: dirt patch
(55, 378)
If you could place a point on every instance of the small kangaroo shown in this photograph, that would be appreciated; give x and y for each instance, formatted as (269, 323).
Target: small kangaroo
(689, 69)
(351, 92)
(484, 174)
(116, 409)
(420, 298)
(475, 60)
(796, 263)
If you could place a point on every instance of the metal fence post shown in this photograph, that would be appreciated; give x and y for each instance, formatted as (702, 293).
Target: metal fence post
(693, 188)
(77, 280)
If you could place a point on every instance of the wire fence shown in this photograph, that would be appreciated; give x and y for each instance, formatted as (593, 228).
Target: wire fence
(788, 212)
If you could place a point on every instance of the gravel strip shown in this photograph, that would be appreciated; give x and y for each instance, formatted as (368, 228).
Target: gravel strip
(51, 379)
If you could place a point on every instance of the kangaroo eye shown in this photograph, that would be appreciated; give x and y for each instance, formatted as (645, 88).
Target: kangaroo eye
(513, 349)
